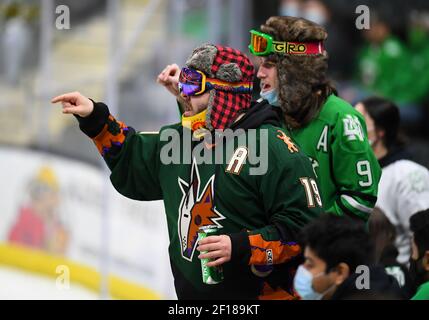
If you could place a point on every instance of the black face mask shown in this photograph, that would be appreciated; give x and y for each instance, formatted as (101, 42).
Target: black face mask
(417, 273)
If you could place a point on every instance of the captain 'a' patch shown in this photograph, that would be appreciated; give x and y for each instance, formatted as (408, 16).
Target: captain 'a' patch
(237, 161)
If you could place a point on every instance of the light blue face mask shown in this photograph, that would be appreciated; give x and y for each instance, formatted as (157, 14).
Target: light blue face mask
(303, 284)
(291, 10)
(272, 96)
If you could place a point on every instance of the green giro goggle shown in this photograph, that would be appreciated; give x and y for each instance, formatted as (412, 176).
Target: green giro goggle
(262, 44)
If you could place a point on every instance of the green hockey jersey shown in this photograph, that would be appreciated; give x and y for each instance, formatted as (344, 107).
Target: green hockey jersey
(262, 211)
(347, 170)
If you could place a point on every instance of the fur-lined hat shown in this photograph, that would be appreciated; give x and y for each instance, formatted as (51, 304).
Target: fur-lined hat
(302, 78)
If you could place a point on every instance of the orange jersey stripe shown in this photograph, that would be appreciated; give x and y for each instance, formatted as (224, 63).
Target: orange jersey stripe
(112, 134)
(271, 252)
(269, 293)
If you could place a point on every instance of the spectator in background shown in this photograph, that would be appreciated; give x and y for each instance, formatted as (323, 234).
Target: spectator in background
(334, 248)
(419, 262)
(15, 43)
(290, 8)
(313, 10)
(339, 42)
(316, 11)
(385, 67)
(418, 42)
(382, 236)
(404, 184)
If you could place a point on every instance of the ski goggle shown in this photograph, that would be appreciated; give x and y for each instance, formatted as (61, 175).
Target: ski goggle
(194, 82)
(262, 44)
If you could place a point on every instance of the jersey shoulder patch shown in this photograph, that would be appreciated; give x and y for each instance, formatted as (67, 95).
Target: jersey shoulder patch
(351, 132)
(287, 140)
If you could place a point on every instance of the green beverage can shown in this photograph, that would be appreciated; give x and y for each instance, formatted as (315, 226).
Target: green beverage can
(211, 275)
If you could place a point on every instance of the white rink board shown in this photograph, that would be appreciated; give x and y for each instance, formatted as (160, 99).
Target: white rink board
(137, 233)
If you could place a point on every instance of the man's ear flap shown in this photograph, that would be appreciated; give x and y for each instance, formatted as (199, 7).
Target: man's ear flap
(229, 72)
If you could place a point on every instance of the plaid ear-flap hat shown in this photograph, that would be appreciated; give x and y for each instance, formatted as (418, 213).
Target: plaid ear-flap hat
(229, 65)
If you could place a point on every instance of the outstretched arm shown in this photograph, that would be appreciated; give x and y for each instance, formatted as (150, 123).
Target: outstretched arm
(132, 157)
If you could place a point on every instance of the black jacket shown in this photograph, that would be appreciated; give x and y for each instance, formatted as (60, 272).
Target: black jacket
(381, 287)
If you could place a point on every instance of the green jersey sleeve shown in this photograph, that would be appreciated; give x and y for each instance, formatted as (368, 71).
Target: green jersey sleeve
(355, 169)
(133, 158)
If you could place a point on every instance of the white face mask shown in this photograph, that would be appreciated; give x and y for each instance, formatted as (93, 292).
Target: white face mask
(272, 96)
(303, 284)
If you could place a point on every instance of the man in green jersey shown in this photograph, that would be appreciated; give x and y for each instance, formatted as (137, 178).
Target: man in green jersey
(258, 206)
(293, 65)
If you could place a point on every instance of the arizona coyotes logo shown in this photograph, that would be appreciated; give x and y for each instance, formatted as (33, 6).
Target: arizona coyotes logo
(196, 210)
(290, 145)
